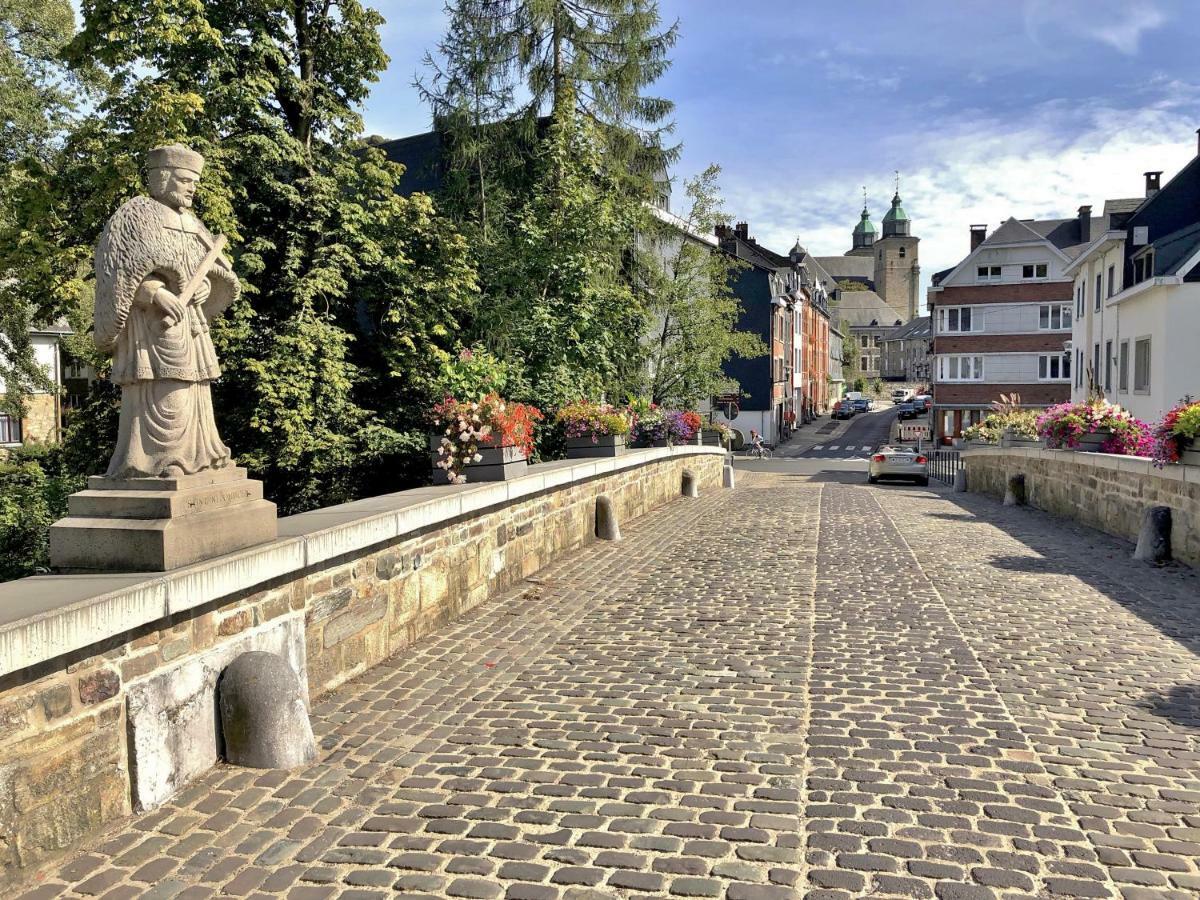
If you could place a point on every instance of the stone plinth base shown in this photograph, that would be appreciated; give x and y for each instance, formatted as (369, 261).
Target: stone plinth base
(157, 524)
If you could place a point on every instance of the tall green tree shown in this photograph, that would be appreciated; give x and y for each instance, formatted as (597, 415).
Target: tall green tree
(558, 299)
(690, 301)
(353, 293)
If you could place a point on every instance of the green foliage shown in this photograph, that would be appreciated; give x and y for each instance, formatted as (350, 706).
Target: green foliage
(34, 486)
(847, 284)
(558, 301)
(1023, 422)
(859, 385)
(850, 357)
(691, 305)
(473, 374)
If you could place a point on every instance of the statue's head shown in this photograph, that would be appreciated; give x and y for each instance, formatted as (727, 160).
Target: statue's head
(173, 172)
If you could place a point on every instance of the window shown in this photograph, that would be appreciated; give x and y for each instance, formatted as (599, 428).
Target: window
(1078, 368)
(1079, 300)
(878, 340)
(960, 368)
(1036, 270)
(1123, 369)
(1112, 280)
(1108, 361)
(987, 273)
(1095, 376)
(1141, 366)
(1097, 295)
(903, 252)
(958, 319)
(863, 340)
(1054, 367)
(1054, 316)
(10, 430)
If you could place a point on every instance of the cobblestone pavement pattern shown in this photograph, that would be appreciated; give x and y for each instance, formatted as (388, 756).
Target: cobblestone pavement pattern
(796, 689)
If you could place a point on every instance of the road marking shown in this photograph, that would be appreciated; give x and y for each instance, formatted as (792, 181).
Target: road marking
(819, 447)
(866, 448)
(834, 447)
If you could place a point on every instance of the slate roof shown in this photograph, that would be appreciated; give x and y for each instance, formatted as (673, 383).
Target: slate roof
(421, 156)
(1172, 251)
(862, 308)
(856, 267)
(920, 327)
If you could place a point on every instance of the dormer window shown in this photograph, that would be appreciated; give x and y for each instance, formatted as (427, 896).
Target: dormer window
(1034, 270)
(987, 273)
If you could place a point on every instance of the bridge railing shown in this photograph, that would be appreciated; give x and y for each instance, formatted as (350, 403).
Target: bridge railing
(944, 465)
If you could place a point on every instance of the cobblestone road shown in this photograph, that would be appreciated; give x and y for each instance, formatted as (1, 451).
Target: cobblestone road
(802, 688)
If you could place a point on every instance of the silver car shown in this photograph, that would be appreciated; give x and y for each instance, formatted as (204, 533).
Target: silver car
(898, 462)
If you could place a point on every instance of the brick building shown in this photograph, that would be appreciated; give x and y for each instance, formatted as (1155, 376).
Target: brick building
(1002, 319)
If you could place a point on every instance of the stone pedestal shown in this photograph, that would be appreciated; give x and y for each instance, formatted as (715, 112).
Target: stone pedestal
(157, 524)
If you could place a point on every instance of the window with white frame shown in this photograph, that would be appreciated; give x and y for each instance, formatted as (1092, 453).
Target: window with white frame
(1141, 366)
(1079, 300)
(1054, 316)
(1054, 367)
(960, 368)
(1034, 270)
(987, 273)
(955, 319)
(1123, 368)
(10, 430)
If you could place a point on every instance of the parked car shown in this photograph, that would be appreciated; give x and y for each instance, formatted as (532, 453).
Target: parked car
(842, 409)
(898, 462)
(921, 404)
(862, 404)
(906, 410)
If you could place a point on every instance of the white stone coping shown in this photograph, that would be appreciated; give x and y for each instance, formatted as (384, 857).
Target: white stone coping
(46, 616)
(1139, 465)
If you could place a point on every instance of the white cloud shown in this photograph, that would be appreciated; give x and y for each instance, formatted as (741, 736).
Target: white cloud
(982, 171)
(1118, 23)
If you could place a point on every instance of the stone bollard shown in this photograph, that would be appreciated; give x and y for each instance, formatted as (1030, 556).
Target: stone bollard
(263, 716)
(727, 478)
(960, 481)
(690, 488)
(1154, 539)
(1015, 495)
(607, 526)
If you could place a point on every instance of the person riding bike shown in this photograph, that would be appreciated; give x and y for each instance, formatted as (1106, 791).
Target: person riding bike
(756, 441)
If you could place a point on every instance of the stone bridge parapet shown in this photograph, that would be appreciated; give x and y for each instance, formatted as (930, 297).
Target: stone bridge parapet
(107, 681)
(1099, 490)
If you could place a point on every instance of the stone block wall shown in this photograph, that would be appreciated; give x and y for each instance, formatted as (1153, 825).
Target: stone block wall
(66, 761)
(1105, 492)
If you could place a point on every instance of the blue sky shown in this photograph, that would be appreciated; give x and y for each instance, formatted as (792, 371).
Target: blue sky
(988, 109)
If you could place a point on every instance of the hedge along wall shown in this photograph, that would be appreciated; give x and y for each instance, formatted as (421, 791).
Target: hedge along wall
(1105, 492)
(95, 671)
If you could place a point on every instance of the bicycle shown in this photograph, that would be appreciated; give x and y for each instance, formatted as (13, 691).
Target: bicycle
(763, 451)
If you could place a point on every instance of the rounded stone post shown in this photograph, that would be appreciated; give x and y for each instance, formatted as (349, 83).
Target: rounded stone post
(1154, 538)
(1015, 494)
(690, 487)
(960, 481)
(727, 478)
(263, 716)
(607, 526)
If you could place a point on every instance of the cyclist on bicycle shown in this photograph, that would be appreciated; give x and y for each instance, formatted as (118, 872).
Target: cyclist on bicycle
(756, 441)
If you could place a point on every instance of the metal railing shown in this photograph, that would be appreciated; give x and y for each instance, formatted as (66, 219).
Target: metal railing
(944, 465)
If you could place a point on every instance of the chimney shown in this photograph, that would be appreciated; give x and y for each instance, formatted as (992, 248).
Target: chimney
(1085, 224)
(978, 235)
(723, 231)
(742, 230)
(1152, 183)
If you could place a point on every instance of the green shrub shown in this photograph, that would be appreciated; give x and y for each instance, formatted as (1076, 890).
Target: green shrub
(34, 486)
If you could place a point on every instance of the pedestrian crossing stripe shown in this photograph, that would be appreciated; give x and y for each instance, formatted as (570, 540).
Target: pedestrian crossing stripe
(819, 447)
(866, 447)
(834, 447)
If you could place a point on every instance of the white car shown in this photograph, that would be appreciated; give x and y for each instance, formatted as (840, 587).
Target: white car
(898, 462)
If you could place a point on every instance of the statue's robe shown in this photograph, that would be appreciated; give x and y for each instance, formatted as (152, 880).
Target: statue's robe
(167, 426)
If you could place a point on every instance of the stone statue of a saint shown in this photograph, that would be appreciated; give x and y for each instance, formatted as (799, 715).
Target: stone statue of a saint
(160, 278)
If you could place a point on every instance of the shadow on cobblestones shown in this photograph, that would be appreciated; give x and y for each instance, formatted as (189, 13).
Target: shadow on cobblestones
(1181, 704)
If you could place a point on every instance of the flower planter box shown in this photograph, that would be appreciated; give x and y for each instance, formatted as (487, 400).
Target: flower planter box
(595, 445)
(977, 445)
(495, 464)
(1189, 451)
(712, 439)
(958, 443)
(1093, 440)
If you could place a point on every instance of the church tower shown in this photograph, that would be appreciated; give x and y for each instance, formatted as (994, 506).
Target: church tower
(864, 235)
(897, 273)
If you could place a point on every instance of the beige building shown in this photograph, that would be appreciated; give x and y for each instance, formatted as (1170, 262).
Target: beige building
(42, 421)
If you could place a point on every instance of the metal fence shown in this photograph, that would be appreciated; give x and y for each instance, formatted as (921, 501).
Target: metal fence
(944, 464)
